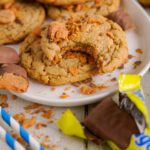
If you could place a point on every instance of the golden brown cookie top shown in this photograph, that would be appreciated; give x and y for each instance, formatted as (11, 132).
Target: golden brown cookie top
(94, 7)
(3, 2)
(73, 67)
(95, 35)
(18, 19)
(62, 2)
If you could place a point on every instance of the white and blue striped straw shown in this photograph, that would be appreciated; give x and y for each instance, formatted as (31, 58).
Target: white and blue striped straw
(33, 143)
(11, 142)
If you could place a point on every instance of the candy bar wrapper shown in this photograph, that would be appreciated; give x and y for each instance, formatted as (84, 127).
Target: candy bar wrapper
(131, 99)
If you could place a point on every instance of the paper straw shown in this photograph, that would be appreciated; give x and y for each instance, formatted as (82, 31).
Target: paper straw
(11, 142)
(33, 143)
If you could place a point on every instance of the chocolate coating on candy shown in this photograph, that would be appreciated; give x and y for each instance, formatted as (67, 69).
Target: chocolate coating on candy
(109, 122)
(123, 19)
(145, 3)
(8, 55)
(12, 68)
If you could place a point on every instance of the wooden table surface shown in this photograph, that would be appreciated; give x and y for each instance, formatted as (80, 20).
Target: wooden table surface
(44, 119)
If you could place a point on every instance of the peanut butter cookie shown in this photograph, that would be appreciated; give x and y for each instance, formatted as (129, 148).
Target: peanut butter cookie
(73, 67)
(62, 2)
(18, 20)
(2, 2)
(98, 7)
(102, 39)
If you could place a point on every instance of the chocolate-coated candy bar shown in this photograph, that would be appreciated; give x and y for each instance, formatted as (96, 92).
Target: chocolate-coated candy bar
(123, 19)
(109, 122)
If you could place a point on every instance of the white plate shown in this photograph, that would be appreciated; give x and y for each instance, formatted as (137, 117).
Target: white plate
(136, 39)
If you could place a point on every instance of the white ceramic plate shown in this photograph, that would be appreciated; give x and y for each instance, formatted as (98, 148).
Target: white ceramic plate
(136, 39)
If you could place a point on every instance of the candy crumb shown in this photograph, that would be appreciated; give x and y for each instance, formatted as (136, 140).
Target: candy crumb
(139, 51)
(87, 90)
(64, 96)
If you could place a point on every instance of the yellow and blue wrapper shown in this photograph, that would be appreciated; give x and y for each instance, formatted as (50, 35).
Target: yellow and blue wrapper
(129, 85)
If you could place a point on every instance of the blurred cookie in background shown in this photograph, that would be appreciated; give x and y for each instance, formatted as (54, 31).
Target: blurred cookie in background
(18, 19)
(62, 2)
(5, 1)
(95, 7)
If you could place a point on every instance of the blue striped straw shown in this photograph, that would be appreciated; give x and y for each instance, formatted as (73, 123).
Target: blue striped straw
(11, 142)
(33, 143)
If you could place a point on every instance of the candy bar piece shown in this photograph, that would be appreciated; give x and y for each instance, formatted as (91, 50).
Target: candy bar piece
(13, 77)
(8, 55)
(123, 19)
(92, 137)
(107, 121)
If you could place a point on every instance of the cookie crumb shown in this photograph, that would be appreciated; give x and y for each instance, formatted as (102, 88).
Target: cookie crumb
(14, 97)
(40, 125)
(53, 88)
(20, 118)
(113, 79)
(130, 56)
(32, 106)
(102, 87)
(47, 114)
(3, 100)
(78, 84)
(29, 123)
(67, 88)
(87, 90)
(139, 51)
(64, 96)
(136, 64)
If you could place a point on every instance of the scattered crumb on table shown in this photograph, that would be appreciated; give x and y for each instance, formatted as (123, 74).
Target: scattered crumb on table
(136, 64)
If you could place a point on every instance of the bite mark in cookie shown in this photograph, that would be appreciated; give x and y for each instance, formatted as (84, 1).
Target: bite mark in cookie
(40, 68)
(97, 36)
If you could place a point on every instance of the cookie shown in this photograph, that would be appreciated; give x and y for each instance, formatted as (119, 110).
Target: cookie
(18, 20)
(62, 2)
(98, 7)
(75, 66)
(2, 2)
(102, 39)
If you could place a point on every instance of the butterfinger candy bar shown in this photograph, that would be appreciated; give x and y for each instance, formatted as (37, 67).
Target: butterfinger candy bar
(13, 78)
(109, 122)
(123, 19)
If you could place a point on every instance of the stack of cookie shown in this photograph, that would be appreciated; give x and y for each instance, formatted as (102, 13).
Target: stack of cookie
(66, 8)
(77, 45)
